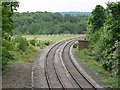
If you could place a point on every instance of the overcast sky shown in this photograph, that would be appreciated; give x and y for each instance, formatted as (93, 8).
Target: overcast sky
(60, 5)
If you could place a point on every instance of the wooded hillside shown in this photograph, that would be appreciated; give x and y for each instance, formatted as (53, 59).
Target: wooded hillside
(48, 23)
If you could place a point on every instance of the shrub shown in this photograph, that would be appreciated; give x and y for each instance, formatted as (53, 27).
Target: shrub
(47, 43)
(6, 56)
(31, 48)
(33, 42)
(75, 45)
(9, 45)
(23, 44)
(17, 39)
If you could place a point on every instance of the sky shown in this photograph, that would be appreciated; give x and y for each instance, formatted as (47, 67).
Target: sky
(60, 5)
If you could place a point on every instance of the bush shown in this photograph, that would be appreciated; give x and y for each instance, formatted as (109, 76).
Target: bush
(41, 44)
(75, 45)
(17, 39)
(23, 44)
(33, 42)
(6, 56)
(9, 45)
(31, 48)
(47, 43)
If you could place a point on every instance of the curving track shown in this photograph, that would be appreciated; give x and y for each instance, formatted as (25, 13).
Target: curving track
(62, 71)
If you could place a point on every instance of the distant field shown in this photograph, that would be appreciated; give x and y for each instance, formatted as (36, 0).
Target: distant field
(51, 38)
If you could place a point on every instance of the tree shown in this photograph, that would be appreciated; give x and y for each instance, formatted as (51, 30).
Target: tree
(98, 17)
(7, 12)
(104, 34)
(48, 23)
(95, 23)
(7, 26)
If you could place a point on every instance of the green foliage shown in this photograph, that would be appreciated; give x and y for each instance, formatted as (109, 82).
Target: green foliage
(32, 48)
(98, 17)
(96, 22)
(33, 42)
(9, 45)
(105, 38)
(7, 26)
(7, 12)
(7, 52)
(23, 44)
(75, 45)
(106, 77)
(39, 43)
(47, 43)
(48, 23)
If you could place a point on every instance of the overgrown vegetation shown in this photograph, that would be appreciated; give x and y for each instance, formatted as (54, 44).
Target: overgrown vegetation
(24, 50)
(7, 45)
(106, 78)
(26, 47)
(103, 33)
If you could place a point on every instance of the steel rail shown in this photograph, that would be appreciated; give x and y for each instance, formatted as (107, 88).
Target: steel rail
(75, 67)
(45, 65)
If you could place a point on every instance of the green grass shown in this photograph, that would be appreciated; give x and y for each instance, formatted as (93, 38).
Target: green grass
(24, 57)
(30, 54)
(51, 38)
(106, 77)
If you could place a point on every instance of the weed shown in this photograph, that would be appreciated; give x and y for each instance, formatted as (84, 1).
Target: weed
(105, 77)
(23, 44)
(75, 45)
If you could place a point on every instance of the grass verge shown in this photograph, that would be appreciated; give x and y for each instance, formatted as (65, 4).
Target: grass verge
(106, 77)
(23, 57)
(35, 43)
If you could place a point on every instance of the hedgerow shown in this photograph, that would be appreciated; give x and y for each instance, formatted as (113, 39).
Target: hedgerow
(103, 33)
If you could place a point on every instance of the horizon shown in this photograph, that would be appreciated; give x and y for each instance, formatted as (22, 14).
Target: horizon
(58, 12)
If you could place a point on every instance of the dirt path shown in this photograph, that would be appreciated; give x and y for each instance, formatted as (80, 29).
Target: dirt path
(20, 76)
(17, 76)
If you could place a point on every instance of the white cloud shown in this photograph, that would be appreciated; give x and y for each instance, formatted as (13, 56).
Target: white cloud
(60, 5)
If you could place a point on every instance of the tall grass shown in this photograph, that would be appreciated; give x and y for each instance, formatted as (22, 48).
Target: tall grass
(27, 46)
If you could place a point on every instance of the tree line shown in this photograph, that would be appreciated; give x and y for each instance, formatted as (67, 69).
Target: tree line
(48, 23)
(77, 13)
(103, 33)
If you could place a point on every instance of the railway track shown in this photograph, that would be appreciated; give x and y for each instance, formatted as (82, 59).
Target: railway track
(62, 72)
